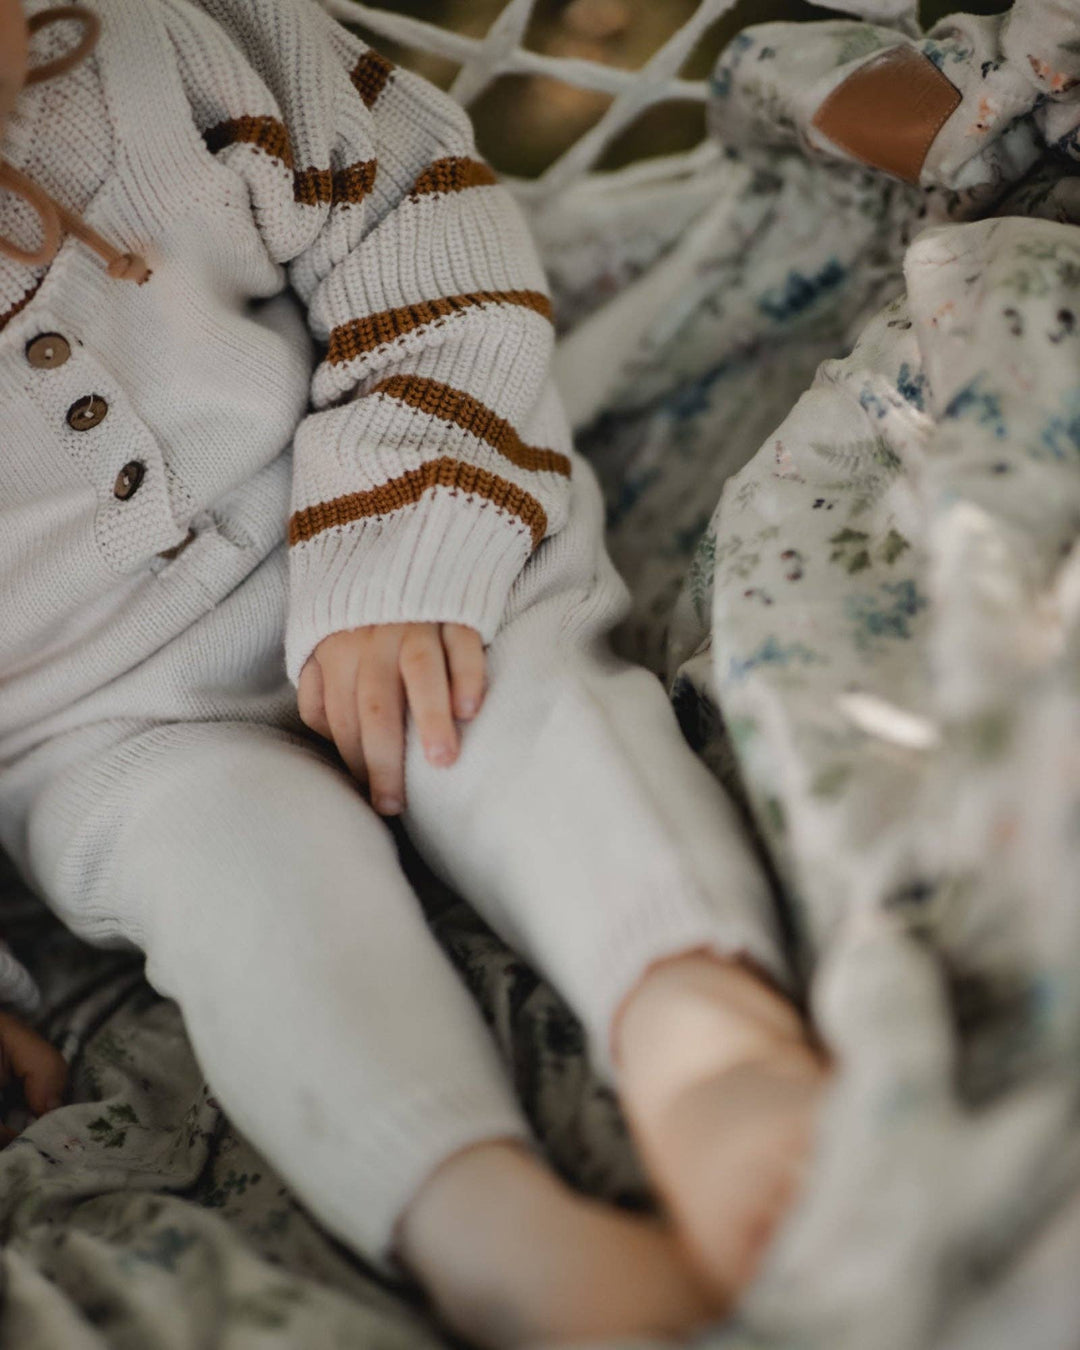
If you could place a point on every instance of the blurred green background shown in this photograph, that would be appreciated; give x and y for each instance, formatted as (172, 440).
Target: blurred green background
(523, 123)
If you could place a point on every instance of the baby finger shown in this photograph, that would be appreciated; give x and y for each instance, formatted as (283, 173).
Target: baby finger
(427, 687)
(381, 709)
(465, 657)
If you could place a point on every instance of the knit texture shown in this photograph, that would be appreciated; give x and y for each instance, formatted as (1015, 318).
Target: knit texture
(254, 149)
(60, 135)
(416, 268)
(271, 905)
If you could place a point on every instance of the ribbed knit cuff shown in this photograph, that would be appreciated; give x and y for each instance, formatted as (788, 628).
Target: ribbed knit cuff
(658, 933)
(448, 559)
(401, 1146)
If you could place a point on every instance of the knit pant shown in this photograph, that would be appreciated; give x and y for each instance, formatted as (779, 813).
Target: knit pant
(270, 904)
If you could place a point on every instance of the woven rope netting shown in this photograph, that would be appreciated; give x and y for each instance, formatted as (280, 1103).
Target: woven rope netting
(502, 51)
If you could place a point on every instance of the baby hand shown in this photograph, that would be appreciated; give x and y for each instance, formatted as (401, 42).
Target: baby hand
(355, 687)
(27, 1057)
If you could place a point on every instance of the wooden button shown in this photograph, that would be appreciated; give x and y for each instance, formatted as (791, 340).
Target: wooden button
(87, 412)
(48, 350)
(128, 479)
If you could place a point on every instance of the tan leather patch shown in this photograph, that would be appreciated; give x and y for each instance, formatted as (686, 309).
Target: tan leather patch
(888, 112)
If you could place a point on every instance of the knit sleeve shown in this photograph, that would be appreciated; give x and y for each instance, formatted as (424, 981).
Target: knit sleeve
(435, 457)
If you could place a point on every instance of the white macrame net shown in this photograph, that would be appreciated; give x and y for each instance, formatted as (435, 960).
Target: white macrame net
(502, 52)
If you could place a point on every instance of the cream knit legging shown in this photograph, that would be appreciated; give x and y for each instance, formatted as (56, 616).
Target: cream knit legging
(270, 903)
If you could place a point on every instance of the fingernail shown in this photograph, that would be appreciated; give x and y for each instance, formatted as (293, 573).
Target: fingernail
(469, 707)
(389, 806)
(441, 754)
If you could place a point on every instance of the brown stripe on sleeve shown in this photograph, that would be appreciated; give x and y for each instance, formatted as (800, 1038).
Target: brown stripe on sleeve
(370, 76)
(357, 336)
(266, 133)
(353, 183)
(339, 187)
(454, 405)
(453, 174)
(408, 488)
(311, 186)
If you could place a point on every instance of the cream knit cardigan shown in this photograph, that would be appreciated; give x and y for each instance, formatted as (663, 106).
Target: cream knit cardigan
(243, 146)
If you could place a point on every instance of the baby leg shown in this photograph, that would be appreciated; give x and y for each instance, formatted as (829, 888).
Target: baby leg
(270, 904)
(593, 840)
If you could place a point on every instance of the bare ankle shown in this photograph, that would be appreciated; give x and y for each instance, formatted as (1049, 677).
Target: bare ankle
(475, 1185)
(511, 1256)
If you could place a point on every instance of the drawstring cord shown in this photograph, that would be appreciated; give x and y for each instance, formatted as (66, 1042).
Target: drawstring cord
(57, 220)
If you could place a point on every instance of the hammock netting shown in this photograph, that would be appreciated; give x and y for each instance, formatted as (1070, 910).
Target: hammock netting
(502, 51)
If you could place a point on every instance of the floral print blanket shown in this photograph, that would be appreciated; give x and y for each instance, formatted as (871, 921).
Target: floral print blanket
(873, 640)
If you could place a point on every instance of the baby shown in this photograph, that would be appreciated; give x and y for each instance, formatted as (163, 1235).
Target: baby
(241, 576)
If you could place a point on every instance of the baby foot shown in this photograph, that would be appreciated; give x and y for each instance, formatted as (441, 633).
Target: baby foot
(721, 1086)
(727, 1155)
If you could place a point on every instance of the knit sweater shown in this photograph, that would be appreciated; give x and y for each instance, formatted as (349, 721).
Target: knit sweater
(270, 168)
